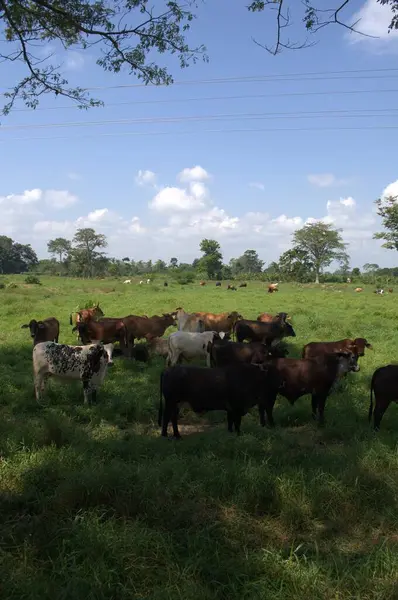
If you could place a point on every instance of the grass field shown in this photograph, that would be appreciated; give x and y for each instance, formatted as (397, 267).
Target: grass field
(95, 505)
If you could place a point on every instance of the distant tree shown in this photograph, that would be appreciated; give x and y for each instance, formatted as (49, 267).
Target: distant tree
(370, 267)
(174, 262)
(211, 262)
(60, 246)
(295, 265)
(387, 209)
(356, 272)
(87, 242)
(126, 259)
(322, 243)
(249, 262)
(15, 257)
(160, 266)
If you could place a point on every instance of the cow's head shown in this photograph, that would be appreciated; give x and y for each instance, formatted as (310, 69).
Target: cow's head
(170, 318)
(361, 344)
(288, 330)
(83, 333)
(34, 326)
(234, 316)
(348, 361)
(109, 352)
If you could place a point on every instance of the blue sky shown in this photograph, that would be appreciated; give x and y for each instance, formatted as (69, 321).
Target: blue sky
(157, 196)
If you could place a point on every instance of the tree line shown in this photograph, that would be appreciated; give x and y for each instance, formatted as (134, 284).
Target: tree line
(314, 248)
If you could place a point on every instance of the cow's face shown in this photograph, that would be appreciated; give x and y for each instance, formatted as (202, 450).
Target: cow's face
(361, 344)
(83, 332)
(234, 316)
(33, 327)
(348, 361)
(109, 351)
(288, 330)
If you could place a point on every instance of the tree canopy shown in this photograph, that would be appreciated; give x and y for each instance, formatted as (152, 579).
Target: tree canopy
(322, 244)
(211, 262)
(15, 257)
(387, 209)
(128, 34)
(132, 35)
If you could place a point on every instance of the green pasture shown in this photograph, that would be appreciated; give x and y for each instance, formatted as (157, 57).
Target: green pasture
(95, 505)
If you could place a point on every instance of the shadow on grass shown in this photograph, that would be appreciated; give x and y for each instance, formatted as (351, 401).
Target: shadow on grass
(94, 505)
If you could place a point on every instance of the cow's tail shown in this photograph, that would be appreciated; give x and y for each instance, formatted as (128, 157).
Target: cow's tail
(371, 400)
(160, 413)
(70, 319)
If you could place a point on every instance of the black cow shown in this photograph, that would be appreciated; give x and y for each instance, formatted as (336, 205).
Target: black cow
(384, 384)
(234, 389)
(218, 284)
(223, 354)
(269, 333)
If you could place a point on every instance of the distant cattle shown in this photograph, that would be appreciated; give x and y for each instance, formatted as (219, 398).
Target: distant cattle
(86, 314)
(348, 280)
(298, 377)
(141, 282)
(219, 322)
(379, 291)
(231, 287)
(356, 346)
(390, 290)
(269, 333)
(148, 281)
(384, 385)
(273, 287)
(127, 281)
(165, 284)
(242, 285)
(218, 284)
(235, 389)
(188, 346)
(43, 331)
(358, 289)
(189, 322)
(85, 363)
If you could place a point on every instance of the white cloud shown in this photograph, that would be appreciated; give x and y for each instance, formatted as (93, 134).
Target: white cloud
(197, 173)
(145, 177)
(74, 176)
(390, 190)
(59, 198)
(27, 197)
(324, 180)
(74, 60)
(374, 19)
(257, 185)
(176, 199)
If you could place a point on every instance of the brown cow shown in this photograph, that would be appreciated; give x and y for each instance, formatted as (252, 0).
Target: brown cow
(223, 354)
(298, 377)
(107, 330)
(231, 287)
(358, 289)
(273, 287)
(268, 318)
(202, 283)
(219, 322)
(43, 331)
(85, 314)
(356, 346)
(268, 333)
(148, 327)
(384, 384)
(390, 290)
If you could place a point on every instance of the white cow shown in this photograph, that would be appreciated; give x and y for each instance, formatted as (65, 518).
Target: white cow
(148, 281)
(141, 282)
(127, 281)
(189, 322)
(85, 363)
(187, 345)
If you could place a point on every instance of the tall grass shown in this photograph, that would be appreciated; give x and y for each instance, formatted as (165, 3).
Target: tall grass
(94, 505)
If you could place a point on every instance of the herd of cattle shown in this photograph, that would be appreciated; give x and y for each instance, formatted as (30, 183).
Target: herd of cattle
(252, 370)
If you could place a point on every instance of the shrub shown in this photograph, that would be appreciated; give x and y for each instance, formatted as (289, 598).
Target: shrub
(32, 279)
(185, 277)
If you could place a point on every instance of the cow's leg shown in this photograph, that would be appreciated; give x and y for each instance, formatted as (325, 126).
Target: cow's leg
(165, 418)
(380, 408)
(230, 418)
(94, 395)
(174, 422)
(237, 421)
(39, 387)
(87, 391)
(314, 406)
(268, 405)
(321, 409)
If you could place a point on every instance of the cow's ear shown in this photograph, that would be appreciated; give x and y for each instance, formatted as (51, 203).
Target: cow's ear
(369, 345)
(24, 326)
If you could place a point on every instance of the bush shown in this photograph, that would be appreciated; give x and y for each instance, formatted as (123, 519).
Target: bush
(32, 279)
(185, 277)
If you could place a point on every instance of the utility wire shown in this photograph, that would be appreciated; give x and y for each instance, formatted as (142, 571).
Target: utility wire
(195, 132)
(212, 98)
(352, 113)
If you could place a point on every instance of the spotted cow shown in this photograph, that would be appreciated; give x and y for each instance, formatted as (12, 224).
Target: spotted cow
(85, 363)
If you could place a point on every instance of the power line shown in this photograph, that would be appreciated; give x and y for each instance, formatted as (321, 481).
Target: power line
(195, 132)
(318, 75)
(342, 113)
(212, 98)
